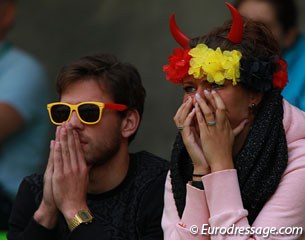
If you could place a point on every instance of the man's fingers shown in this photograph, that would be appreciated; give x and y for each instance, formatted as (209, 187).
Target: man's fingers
(73, 157)
(58, 163)
(51, 155)
(65, 148)
(79, 150)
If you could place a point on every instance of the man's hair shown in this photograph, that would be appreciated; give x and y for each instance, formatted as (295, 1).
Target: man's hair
(121, 80)
(285, 10)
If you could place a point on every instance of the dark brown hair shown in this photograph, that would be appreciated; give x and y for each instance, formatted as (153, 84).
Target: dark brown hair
(122, 80)
(257, 40)
(259, 51)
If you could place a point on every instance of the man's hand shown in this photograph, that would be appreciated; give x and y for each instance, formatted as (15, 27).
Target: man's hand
(47, 213)
(70, 177)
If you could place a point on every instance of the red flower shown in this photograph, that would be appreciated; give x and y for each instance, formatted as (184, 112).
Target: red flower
(178, 67)
(280, 78)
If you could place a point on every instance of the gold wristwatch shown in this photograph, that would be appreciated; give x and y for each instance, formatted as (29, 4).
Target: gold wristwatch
(82, 216)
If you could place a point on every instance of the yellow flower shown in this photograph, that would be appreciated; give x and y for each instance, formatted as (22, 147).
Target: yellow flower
(215, 64)
(198, 54)
(232, 65)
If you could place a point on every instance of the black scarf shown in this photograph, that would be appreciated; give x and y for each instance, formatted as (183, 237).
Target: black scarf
(260, 163)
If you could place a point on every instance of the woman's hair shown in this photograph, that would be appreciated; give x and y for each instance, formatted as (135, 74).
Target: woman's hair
(259, 51)
(257, 40)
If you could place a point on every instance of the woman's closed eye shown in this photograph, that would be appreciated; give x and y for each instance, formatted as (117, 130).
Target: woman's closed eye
(216, 86)
(189, 89)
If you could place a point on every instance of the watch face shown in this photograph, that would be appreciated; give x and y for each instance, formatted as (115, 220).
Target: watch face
(85, 216)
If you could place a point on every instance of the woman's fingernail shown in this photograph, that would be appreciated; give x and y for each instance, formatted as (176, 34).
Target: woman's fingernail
(197, 96)
(206, 92)
(213, 92)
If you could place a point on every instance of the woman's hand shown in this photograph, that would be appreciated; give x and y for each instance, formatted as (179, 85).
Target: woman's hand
(216, 133)
(184, 119)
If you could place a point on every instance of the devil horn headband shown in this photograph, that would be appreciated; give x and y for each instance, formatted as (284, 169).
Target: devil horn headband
(179, 36)
(235, 34)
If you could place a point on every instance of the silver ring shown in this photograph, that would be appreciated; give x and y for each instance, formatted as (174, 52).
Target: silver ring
(180, 128)
(211, 123)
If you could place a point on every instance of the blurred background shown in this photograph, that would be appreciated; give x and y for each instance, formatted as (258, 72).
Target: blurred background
(136, 31)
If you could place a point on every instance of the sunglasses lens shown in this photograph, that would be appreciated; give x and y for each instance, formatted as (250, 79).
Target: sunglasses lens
(60, 113)
(89, 112)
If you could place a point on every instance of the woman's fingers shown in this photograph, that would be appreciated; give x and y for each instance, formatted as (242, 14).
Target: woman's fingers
(240, 127)
(183, 112)
(188, 121)
(207, 117)
(210, 98)
(220, 113)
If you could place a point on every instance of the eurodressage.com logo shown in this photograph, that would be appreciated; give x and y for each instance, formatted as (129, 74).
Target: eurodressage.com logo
(248, 231)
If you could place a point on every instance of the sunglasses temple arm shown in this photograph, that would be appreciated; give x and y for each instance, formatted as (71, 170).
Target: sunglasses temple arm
(115, 106)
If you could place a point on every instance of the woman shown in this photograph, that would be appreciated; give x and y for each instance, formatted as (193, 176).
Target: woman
(238, 163)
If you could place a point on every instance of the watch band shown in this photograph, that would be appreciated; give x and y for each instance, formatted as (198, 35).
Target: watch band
(74, 222)
(82, 216)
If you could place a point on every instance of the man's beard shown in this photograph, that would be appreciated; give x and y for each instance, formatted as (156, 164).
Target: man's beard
(106, 151)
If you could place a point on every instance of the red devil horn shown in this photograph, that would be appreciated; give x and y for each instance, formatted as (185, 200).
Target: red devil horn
(179, 36)
(236, 33)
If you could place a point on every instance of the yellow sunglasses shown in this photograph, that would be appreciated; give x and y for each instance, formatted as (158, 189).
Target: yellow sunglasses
(87, 112)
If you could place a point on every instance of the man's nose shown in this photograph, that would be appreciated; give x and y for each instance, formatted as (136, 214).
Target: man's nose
(75, 121)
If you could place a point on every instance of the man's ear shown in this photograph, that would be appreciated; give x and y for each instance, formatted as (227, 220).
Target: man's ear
(130, 123)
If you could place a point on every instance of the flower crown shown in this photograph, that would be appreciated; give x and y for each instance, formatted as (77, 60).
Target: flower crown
(218, 65)
(203, 61)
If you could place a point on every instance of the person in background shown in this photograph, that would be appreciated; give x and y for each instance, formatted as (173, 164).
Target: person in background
(281, 16)
(240, 151)
(24, 127)
(93, 187)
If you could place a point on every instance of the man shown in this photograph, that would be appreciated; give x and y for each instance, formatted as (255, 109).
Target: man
(281, 17)
(24, 127)
(93, 188)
